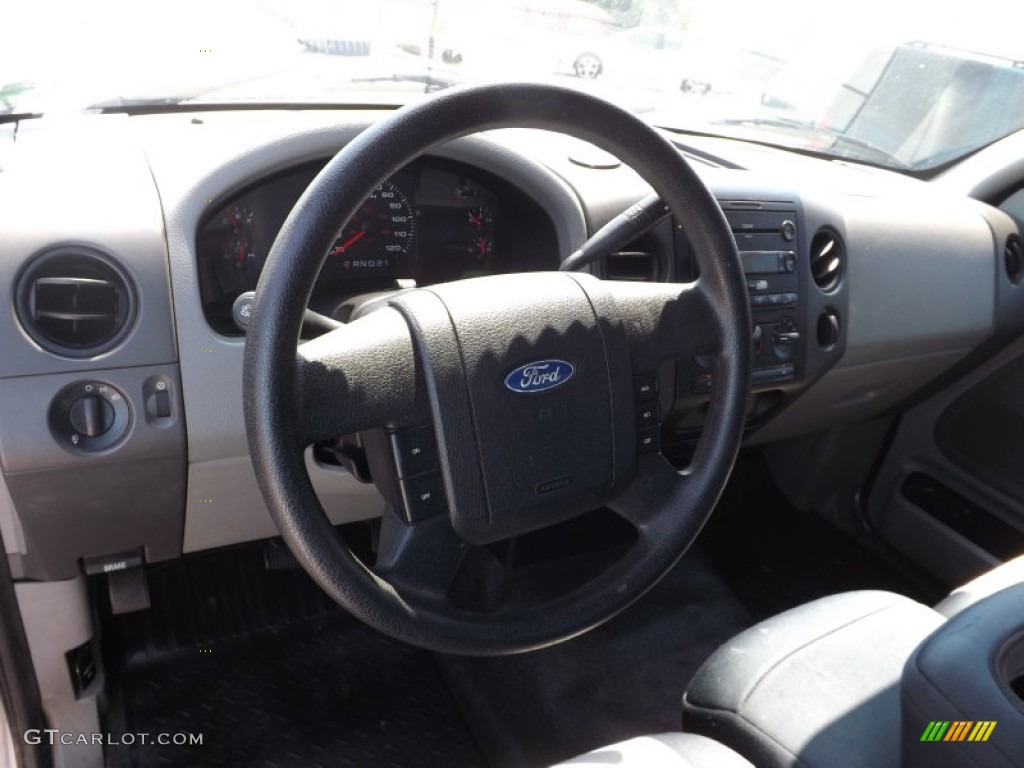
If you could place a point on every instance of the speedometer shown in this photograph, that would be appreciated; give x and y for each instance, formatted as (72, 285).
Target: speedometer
(379, 238)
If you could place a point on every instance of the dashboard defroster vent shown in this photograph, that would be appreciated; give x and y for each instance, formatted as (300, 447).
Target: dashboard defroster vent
(1013, 255)
(75, 302)
(828, 255)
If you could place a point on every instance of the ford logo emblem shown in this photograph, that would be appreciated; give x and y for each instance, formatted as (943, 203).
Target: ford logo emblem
(539, 376)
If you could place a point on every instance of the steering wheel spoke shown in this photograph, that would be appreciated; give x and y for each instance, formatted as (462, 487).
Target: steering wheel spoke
(419, 558)
(361, 375)
(656, 484)
(666, 321)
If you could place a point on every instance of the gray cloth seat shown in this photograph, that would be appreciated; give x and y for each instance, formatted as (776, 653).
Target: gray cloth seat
(820, 685)
(665, 750)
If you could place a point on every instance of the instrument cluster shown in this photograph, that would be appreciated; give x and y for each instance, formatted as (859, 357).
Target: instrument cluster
(434, 221)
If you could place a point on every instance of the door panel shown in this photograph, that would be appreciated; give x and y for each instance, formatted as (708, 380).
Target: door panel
(950, 493)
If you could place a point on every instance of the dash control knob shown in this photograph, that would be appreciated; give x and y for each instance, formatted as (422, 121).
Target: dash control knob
(785, 338)
(89, 416)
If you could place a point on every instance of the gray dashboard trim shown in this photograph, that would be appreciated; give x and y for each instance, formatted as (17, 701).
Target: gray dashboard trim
(79, 185)
(901, 305)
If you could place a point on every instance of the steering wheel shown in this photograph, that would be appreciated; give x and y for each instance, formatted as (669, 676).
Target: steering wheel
(532, 385)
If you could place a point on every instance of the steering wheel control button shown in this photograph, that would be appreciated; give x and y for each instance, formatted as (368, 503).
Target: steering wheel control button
(647, 414)
(415, 451)
(422, 496)
(89, 416)
(647, 441)
(647, 386)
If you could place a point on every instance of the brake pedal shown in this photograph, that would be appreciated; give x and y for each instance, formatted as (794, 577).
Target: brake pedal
(126, 579)
(128, 590)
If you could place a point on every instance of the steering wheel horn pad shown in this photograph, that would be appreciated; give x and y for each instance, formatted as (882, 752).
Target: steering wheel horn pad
(517, 454)
(515, 461)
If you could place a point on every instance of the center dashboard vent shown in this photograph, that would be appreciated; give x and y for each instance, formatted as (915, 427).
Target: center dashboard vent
(828, 255)
(638, 262)
(75, 302)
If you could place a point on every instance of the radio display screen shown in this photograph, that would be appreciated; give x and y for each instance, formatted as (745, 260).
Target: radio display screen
(764, 262)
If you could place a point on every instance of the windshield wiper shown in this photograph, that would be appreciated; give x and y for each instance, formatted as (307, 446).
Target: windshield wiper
(874, 152)
(430, 81)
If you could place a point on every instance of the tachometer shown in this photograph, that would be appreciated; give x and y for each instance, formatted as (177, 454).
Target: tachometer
(378, 238)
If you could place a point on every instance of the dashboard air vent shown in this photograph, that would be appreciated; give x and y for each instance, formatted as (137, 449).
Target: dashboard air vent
(827, 257)
(638, 263)
(1013, 255)
(75, 302)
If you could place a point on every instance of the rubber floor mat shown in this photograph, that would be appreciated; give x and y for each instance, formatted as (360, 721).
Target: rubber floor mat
(270, 681)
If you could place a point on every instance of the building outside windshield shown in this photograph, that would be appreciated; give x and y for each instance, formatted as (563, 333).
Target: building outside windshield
(909, 85)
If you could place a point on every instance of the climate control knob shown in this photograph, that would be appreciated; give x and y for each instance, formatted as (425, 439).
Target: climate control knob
(785, 337)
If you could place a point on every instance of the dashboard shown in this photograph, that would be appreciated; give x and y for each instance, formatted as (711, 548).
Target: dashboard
(433, 222)
(865, 287)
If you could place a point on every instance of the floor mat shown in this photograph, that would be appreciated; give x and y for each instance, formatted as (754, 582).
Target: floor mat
(272, 674)
(620, 680)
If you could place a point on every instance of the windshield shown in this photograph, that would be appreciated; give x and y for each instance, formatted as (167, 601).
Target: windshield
(909, 85)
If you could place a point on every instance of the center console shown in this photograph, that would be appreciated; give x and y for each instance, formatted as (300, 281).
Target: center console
(797, 299)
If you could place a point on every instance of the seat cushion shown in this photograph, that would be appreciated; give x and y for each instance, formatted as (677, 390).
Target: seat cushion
(990, 582)
(665, 750)
(815, 686)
